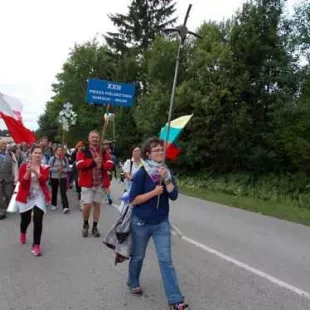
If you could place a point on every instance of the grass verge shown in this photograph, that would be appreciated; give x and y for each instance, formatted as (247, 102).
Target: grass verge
(287, 212)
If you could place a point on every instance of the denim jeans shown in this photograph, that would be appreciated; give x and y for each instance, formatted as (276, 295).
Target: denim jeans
(141, 234)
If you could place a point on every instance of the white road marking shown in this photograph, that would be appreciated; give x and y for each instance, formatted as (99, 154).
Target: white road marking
(115, 206)
(246, 267)
(177, 232)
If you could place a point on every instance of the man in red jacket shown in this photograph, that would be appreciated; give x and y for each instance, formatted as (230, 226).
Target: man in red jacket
(93, 170)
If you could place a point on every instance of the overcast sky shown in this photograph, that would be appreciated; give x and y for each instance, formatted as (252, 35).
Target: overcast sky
(36, 37)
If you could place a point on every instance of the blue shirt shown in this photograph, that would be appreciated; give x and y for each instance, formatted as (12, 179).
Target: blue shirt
(148, 211)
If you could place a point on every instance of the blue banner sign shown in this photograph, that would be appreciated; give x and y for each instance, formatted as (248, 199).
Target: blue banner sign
(109, 92)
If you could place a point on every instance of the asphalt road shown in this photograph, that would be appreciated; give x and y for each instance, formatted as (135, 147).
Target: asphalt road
(226, 259)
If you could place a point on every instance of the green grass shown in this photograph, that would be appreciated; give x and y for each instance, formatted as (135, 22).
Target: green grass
(285, 208)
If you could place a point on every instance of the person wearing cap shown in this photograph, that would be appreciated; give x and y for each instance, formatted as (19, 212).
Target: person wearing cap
(93, 168)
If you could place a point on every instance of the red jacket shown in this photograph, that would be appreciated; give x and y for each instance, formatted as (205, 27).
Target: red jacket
(24, 186)
(85, 164)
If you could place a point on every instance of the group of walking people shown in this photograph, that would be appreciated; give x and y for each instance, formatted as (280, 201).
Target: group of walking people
(150, 185)
(45, 167)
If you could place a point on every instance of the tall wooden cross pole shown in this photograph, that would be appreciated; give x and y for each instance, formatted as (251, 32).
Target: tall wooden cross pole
(104, 128)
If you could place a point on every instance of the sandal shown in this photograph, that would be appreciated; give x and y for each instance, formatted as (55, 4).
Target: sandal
(180, 306)
(137, 291)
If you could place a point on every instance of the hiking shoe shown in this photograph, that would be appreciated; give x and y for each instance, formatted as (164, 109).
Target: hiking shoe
(85, 231)
(36, 251)
(95, 232)
(22, 238)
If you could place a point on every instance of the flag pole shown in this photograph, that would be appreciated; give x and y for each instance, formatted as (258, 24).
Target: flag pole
(182, 32)
(176, 72)
(174, 85)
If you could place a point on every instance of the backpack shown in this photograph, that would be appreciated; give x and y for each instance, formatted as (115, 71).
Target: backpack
(53, 162)
(65, 159)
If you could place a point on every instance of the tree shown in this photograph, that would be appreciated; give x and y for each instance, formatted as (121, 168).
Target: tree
(240, 76)
(158, 69)
(301, 24)
(48, 125)
(294, 130)
(138, 28)
(243, 82)
(210, 138)
(265, 71)
(4, 132)
(89, 60)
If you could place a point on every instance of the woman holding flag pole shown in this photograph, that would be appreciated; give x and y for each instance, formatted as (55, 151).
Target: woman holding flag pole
(150, 216)
(150, 220)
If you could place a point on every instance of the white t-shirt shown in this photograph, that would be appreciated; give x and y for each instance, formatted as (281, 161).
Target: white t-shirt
(126, 168)
(35, 198)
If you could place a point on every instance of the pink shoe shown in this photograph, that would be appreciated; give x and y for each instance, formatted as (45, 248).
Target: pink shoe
(23, 238)
(36, 250)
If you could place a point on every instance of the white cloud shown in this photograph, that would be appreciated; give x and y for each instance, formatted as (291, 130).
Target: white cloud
(36, 37)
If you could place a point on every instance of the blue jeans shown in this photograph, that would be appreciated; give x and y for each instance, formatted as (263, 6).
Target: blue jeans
(141, 234)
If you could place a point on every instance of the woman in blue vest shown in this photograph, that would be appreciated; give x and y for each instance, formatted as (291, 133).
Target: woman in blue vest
(151, 220)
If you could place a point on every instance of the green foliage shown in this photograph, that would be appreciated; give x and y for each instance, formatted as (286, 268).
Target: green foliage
(246, 82)
(288, 189)
(294, 130)
(301, 25)
(3, 132)
(158, 70)
(89, 60)
(138, 28)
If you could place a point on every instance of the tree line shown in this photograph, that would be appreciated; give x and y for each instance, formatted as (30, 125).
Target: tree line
(247, 83)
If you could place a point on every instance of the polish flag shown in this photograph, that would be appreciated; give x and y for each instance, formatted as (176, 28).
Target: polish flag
(10, 112)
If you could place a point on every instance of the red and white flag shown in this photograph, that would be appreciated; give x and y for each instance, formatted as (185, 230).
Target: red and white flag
(10, 112)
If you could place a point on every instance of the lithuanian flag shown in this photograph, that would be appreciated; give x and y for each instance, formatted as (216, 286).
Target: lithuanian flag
(176, 127)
